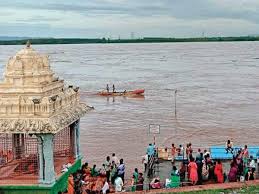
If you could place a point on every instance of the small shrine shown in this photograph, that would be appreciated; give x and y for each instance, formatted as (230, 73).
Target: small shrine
(39, 126)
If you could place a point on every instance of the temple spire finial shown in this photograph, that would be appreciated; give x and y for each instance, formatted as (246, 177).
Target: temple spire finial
(28, 44)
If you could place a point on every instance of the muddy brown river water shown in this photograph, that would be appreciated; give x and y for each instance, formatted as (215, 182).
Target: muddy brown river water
(217, 98)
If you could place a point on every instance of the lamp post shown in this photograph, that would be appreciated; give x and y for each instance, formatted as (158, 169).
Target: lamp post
(175, 95)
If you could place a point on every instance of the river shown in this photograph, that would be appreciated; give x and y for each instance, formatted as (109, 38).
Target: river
(217, 94)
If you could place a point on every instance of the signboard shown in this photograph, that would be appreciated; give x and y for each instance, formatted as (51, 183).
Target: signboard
(154, 129)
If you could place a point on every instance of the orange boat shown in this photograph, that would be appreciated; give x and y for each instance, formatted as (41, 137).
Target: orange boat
(134, 93)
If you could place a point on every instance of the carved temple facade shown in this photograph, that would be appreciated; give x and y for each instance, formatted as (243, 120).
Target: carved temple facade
(39, 123)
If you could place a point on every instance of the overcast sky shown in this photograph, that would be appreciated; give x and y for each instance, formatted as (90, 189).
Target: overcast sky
(114, 18)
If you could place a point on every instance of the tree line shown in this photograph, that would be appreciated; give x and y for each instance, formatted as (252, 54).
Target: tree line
(138, 40)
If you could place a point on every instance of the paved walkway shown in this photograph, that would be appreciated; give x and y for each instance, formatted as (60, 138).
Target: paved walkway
(235, 185)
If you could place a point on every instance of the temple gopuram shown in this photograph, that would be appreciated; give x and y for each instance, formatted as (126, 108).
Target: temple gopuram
(39, 126)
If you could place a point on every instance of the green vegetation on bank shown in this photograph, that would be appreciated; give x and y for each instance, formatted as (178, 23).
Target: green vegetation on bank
(247, 190)
(140, 40)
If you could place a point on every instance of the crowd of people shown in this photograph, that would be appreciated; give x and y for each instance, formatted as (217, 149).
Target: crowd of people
(200, 168)
(109, 178)
(90, 180)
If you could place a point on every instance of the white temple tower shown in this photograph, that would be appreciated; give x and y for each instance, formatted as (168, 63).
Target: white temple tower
(39, 125)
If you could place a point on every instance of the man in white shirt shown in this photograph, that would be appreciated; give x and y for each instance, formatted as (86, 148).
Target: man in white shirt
(252, 166)
(145, 161)
(252, 162)
(118, 184)
(105, 187)
(115, 159)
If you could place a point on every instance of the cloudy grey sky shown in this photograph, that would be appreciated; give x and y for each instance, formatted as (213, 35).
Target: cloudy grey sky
(114, 18)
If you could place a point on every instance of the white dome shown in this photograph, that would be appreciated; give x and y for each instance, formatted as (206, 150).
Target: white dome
(28, 67)
(32, 100)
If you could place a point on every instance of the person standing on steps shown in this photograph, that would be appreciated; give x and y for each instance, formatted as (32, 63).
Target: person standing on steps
(145, 161)
(108, 168)
(173, 152)
(193, 171)
(121, 170)
(115, 160)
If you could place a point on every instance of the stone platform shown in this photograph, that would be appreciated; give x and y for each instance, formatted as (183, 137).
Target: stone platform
(59, 186)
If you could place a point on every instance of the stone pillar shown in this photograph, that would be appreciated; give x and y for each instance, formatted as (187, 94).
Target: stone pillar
(46, 158)
(22, 145)
(74, 139)
(41, 169)
(18, 145)
(77, 140)
(15, 143)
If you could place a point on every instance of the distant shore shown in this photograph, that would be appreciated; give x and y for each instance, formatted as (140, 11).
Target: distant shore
(140, 40)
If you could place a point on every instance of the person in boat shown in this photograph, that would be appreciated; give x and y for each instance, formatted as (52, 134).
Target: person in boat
(229, 146)
(107, 88)
(113, 89)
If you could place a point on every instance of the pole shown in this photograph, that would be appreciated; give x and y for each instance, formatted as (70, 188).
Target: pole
(175, 94)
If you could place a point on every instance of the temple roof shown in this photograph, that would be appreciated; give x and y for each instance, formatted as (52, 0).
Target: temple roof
(33, 100)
